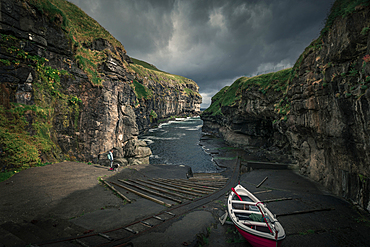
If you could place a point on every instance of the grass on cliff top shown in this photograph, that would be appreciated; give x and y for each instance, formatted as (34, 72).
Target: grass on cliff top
(277, 81)
(144, 69)
(232, 95)
(75, 21)
(342, 8)
(144, 64)
(82, 30)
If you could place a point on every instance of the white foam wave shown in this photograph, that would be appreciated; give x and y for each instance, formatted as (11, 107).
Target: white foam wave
(148, 141)
(162, 138)
(194, 128)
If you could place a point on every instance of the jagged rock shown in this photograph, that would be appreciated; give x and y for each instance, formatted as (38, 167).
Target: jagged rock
(137, 149)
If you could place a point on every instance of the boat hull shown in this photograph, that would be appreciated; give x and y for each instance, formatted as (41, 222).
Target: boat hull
(253, 220)
(257, 241)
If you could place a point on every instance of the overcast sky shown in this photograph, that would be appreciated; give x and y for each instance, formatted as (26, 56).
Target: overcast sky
(212, 42)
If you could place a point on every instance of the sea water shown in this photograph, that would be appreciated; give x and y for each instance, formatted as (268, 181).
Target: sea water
(177, 143)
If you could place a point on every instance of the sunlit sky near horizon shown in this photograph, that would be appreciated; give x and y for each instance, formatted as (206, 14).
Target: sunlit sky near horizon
(212, 42)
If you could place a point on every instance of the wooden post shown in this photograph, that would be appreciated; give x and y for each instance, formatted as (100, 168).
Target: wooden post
(169, 187)
(149, 191)
(305, 211)
(143, 195)
(262, 182)
(112, 188)
(160, 190)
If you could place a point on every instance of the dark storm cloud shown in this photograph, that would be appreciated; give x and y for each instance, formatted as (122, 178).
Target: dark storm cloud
(212, 42)
(141, 26)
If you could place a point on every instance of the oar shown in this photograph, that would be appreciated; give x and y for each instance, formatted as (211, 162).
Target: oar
(236, 194)
(264, 218)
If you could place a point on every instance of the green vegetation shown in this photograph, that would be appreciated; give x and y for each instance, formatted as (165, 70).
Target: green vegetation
(217, 101)
(25, 130)
(27, 135)
(276, 81)
(365, 30)
(232, 95)
(363, 178)
(6, 175)
(153, 115)
(189, 92)
(141, 91)
(82, 30)
(144, 69)
(342, 8)
(145, 64)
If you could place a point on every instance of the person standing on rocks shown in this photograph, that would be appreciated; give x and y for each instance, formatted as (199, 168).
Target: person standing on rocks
(110, 157)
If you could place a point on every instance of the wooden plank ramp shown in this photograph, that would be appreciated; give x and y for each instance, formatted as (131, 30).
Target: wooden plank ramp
(169, 192)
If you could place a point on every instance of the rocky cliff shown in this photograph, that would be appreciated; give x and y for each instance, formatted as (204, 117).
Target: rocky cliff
(69, 90)
(322, 118)
(245, 114)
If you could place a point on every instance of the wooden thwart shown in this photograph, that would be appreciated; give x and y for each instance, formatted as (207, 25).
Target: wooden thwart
(143, 195)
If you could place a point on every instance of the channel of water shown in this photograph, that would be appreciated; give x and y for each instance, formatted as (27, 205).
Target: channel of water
(177, 143)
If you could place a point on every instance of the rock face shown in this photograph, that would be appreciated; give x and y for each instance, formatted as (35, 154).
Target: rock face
(250, 121)
(326, 125)
(329, 123)
(88, 112)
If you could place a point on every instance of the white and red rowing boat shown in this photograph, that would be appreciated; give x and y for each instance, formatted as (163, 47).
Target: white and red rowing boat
(253, 220)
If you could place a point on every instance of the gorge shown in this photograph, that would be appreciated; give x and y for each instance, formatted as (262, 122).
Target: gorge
(316, 113)
(69, 91)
